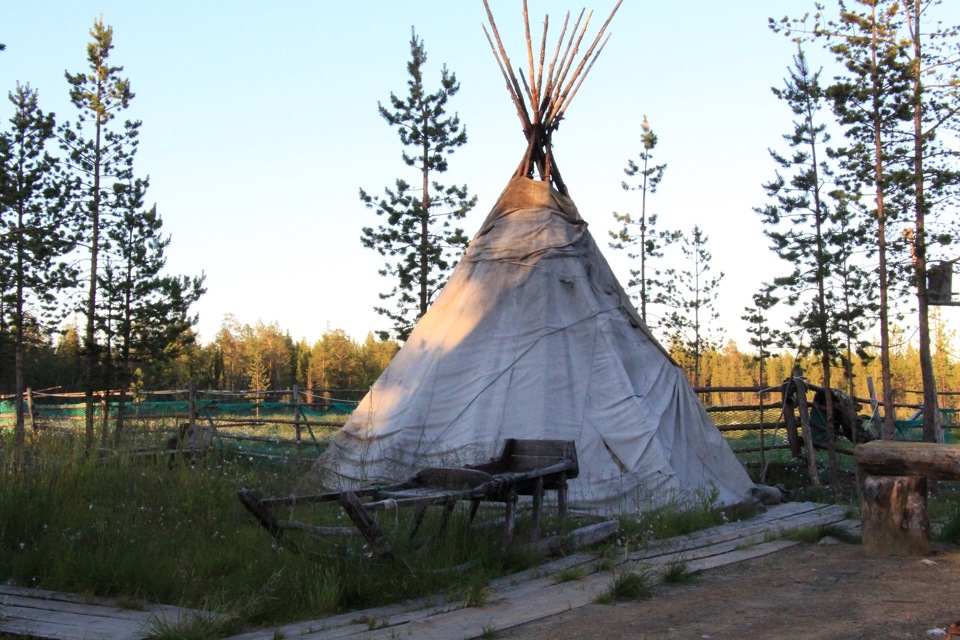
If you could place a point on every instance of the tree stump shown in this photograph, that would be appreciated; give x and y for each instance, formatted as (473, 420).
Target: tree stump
(894, 516)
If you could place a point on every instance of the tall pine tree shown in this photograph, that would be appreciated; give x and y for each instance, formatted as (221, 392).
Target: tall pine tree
(873, 101)
(934, 170)
(691, 293)
(417, 239)
(640, 236)
(101, 154)
(798, 220)
(34, 229)
(146, 314)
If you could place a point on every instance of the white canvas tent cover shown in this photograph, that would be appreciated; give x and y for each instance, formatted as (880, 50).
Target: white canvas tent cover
(532, 337)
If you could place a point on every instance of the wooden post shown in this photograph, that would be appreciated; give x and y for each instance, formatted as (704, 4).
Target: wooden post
(192, 404)
(807, 430)
(30, 415)
(296, 414)
(537, 507)
(763, 457)
(874, 407)
(790, 423)
(364, 523)
(561, 502)
(445, 515)
(510, 517)
(894, 516)
(105, 414)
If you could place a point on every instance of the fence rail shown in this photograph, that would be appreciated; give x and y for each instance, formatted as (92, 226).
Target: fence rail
(302, 421)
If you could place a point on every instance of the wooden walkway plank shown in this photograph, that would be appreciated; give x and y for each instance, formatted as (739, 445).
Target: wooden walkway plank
(38, 613)
(516, 599)
(534, 594)
(474, 622)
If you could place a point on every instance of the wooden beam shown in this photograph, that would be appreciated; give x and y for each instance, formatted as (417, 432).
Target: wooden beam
(896, 458)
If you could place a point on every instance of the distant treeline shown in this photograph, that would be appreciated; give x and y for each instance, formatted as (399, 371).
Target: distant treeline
(264, 356)
(259, 356)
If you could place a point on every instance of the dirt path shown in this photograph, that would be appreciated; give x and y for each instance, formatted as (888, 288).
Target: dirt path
(807, 591)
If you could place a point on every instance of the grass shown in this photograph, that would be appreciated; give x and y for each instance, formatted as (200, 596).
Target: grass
(138, 531)
(629, 586)
(570, 574)
(944, 509)
(145, 533)
(200, 627)
(679, 517)
(677, 572)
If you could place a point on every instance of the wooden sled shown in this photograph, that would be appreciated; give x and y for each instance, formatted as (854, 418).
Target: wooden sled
(524, 468)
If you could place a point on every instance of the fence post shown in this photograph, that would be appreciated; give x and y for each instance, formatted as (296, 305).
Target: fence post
(763, 455)
(296, 413)
(30, 416)
(105, 414)
(805, 426)
(192, 405)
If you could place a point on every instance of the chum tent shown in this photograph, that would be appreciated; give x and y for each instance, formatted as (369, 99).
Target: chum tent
(533, 337)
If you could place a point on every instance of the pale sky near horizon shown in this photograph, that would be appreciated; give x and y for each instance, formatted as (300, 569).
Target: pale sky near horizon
(260, 124)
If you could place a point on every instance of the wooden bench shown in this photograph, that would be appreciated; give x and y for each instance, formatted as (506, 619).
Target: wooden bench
(894, 507)
(523, 468)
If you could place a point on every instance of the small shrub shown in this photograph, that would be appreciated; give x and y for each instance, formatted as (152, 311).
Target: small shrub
(682, 516)
(199, 627)
(627, 587)
(477, 594)
(810, 535)
(677, 573)
(570, 574)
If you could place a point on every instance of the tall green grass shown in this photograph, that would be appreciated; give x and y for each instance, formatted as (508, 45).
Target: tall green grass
(135, 529)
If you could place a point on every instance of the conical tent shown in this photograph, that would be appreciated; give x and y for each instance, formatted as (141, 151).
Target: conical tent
(532, 337)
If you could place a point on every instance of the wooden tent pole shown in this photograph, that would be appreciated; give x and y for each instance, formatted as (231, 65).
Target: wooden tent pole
(534, 89)
(545, 98)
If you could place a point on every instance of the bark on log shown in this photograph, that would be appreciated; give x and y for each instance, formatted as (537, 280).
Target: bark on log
(896, 458)
(894, 516)
(577, 539)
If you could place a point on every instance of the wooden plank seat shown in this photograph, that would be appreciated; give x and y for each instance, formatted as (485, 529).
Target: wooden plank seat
(524, 468)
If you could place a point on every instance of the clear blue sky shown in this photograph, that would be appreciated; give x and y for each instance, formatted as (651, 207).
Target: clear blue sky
(260, 124)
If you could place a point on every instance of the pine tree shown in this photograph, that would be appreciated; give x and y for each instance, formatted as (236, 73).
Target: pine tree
(798, 219)
(934, 171)
(640, 236)
(417, 239)
(145, 313)
(34, 228)
(853, 296)
(101, 153)
(691, 293)
(762, 337)
(873, 101)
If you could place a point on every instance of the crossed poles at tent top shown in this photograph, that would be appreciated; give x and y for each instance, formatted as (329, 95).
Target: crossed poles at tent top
(550, 95)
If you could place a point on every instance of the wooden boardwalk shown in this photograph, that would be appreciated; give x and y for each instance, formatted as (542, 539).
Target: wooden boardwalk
(35, 613)
(515, 599)
(535, 594)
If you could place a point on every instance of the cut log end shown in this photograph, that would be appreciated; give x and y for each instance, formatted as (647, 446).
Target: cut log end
(894, 516)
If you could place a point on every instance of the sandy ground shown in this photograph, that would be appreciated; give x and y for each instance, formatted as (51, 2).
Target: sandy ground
(807, 591)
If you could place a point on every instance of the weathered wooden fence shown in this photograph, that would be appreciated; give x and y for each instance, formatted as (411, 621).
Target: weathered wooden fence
(270, 423)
